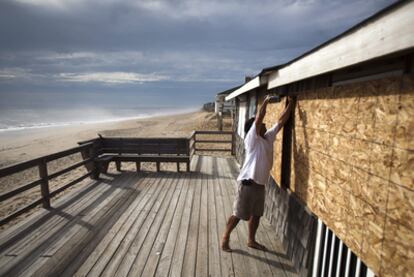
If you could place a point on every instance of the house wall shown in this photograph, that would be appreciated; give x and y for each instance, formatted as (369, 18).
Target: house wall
(353, 166)
(294, 224)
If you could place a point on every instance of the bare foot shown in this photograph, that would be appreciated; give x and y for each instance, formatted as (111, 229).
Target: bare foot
(256, 245)
(225, 244)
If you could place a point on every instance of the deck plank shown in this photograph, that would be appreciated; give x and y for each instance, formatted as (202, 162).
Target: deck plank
(202, 249)
(79, 236)
(124, 256)
(190, 256)
(168, 185)
(115, 234)
(170, 204)
(168, 250)
(214, 250)
(226, 259)
(50, 231)
(144, 224)
(34, 232)
(179, 251)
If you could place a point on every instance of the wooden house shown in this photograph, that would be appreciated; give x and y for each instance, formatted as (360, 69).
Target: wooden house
(221, 105)
(341, 192)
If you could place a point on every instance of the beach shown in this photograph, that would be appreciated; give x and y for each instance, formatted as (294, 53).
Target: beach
(19, 146)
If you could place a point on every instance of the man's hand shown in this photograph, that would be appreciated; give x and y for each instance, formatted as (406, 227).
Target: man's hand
(286, 113)
(261, 114)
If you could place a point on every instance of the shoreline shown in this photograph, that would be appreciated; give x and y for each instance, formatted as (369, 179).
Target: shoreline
(22, 145)
(101, 121)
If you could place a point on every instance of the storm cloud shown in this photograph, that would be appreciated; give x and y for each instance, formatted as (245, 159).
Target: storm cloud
(170, 46)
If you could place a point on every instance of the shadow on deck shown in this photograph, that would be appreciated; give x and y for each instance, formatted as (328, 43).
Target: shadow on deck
(143, 224)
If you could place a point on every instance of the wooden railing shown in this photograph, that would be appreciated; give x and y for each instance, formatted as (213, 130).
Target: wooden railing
(87, 150)
(90, 151)
(227, 137)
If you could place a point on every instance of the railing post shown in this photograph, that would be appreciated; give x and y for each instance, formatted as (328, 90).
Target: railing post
(94, 152)
(232, 143)
(44, 186)
(195, 142)
(187, 146)
(118, 162)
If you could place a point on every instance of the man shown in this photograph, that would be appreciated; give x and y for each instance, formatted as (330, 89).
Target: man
(249, 202)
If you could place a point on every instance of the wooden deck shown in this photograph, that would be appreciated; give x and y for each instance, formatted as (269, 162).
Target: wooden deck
(143, 224)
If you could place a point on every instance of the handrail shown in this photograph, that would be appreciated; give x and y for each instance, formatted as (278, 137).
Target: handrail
(214, 132)
(213, 141)
(87, 151)
(11, 169)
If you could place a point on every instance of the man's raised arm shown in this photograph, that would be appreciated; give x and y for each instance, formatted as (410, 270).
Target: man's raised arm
(261, 114)
(286, 113)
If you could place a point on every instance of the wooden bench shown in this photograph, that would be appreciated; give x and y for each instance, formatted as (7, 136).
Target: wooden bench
(158, 150)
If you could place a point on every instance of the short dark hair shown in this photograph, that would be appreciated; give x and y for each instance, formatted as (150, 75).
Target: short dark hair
(248, 124)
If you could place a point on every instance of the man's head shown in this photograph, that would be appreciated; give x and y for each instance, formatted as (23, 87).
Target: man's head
(249, 124)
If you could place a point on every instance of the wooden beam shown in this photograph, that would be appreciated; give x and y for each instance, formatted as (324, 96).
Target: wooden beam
(20, 189)
(389, 33)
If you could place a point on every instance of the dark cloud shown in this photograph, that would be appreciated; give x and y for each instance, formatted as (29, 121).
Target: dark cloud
(197, 42)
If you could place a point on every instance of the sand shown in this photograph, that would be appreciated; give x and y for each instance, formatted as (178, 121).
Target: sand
(19, 146)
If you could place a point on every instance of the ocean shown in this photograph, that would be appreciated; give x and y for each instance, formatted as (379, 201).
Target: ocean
(22, 111)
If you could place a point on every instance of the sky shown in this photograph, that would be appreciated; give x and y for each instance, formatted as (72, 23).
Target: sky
(170, 50)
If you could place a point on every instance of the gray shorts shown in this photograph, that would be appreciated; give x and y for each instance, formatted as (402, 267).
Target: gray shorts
(249, 201)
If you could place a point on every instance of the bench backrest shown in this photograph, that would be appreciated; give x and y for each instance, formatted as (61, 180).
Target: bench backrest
(155, 146)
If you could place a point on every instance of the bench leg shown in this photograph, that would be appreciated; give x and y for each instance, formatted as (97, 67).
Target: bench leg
(104, 167)
(138, 164)
(118, 165)
(95, 171)
(178, 167)
(188, 166)
(158, 166)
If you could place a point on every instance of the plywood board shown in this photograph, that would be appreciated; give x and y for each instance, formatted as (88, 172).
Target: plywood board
(402, 172)
(343, 110)
(398, 250)
(354, 222)
(338, 172)
(337, 217)
(373, 237)
(405, 127)
(374, 190)
(352, 153)
(273, 112)
(381, 160)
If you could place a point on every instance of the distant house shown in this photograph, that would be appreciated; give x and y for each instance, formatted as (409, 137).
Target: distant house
(341, 191)
(223, 106)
